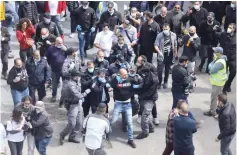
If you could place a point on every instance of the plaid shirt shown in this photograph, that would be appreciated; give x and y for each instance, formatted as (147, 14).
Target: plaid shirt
(170, 128)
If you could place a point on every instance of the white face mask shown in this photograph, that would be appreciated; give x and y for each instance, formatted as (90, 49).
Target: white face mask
(166, 32)
(196, 7)
(229, 30)
(111, 12)
(85, 7)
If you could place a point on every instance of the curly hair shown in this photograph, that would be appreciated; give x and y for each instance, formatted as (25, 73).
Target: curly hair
(21, 21)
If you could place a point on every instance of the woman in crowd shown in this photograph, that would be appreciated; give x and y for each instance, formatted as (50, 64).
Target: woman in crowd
(24, 32)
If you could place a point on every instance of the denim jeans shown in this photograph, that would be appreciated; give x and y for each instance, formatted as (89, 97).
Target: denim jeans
(25, 54)
(41, 92)
(31, 143)
(57, 21)
(225, 144)
(16, 147)
(42, 144)
(83, 42)
(55, 81)
(18, 95)
(126, 108)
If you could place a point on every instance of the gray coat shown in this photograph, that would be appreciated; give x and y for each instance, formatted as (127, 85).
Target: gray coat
(160, 41)
(66, 66)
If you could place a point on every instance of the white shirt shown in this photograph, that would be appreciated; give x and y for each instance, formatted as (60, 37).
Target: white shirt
(12, 125)
(53, 7)
(95, 129)
(105, 41)
(2, 137)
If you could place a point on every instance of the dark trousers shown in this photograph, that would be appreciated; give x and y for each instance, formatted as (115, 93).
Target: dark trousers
(165, 64)
(16, 147)
(25, 54)
(153, 112)
(176, 152)
(177, 97)
(168, 149)
(55, 81)
(4, 58)
(41, 92)
(42, 144)
(73, 23)
(205, 52)
(232, 69)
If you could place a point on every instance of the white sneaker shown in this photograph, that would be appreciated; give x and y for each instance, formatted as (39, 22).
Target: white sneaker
(156, 121)
(139, 118)
(72, 35)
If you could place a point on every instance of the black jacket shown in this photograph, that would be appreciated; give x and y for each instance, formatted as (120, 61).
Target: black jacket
(227, 120)
(40, 6)
(191, 50)
(114, 68)
(52, 27)
(32, 14)
(228, 43)
(38, 74)
(153, 69)
(215, 7)
(86, 18)
(207, 33)
(23, 83)
(124, 51)
(123, 90)
(101, 65)
(167, 19)
(87, 79)
(97, 92)
(196, 17)
(115, 19)
(5, 47)
(230, 17)
(180, 79)
(42, 127)
(43, 46)
(149, 88)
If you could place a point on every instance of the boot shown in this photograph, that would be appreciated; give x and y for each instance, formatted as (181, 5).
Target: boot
(142, 135)
(131, 143)
(73, 141)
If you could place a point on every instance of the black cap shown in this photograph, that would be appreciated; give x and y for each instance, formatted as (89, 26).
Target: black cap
(71, 50)
(75, 73)
(47, 15)
(211, 15)
(182, 59)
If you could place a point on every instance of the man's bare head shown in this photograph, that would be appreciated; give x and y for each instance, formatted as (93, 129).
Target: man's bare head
(163, 11)
(44, 31)
(123, 73)
(192, 29)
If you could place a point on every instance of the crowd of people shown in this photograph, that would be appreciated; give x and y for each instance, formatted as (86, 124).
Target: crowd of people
(123, 70)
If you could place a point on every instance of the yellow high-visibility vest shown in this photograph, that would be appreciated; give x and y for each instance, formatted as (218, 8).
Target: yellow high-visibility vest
(219, 78)
(2, 10)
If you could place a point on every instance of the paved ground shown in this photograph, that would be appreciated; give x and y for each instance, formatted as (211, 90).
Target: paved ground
(204, 139)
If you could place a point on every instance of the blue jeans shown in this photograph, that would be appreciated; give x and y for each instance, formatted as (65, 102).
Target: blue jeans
(177, 97)
(83, 42)
(42, 144)
(18, 95)
(55, 81)
(126, 108)
(57, 21)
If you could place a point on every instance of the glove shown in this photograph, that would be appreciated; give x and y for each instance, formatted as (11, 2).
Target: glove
(87, 91)
(186, 92)
(17, 79)
(92, 29)
(107, 85)
(135, 86)
(71, 66)
(48, 42)
(79, 28)
(83, 100)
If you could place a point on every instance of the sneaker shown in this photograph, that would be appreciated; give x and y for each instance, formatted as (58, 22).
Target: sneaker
(152, 130)
(53, 99)
(72, 35)
(73, 141)
(4, 76)
(131, 143)
(139, 119)
(156, 121)
(142, 135)
(165, 86)
(61, 139)
(209, 113)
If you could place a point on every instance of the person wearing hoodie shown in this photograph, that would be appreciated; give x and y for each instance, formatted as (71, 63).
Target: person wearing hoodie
(218, 77)
(208, 40)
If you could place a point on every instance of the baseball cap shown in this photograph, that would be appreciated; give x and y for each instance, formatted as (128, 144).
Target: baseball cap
(211, 15)
(218, 50)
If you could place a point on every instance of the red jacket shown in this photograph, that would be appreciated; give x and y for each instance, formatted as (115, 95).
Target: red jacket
(30, 30)
(61, 7)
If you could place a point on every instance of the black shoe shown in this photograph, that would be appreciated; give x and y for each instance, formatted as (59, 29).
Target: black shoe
(142, 135)
(165, 85)
(228, 89)
(61, 139)
(131, 143)
(73, 141)
(159, 86)
(152, 130)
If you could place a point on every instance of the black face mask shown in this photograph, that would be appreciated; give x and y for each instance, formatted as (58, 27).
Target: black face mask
(18, 69)
(191, 34)
(209, 21)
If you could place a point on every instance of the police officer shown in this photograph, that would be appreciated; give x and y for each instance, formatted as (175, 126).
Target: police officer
(180, 81)
(147, 97)
(71, 63)
(73, 98)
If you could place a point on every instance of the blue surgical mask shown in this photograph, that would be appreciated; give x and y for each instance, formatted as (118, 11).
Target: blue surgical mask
(131, 75)
(90, 70)
(101, 79)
